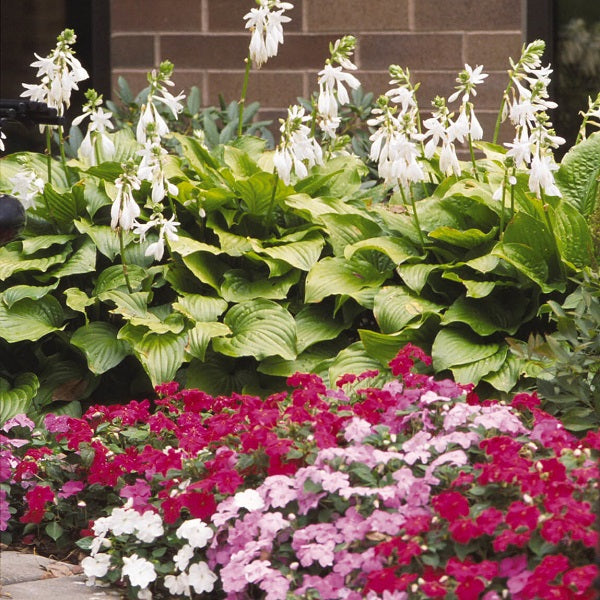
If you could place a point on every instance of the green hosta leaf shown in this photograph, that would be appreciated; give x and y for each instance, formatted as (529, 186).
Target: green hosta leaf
(83, 261)
(507, 376)
(260, 328)
(113, 278)
(18, 398)
(353, 359)
(578, 175)
(396, 306)
(313, 360)
(237, 288)
(13, 163)
(208, 269)
(198, 156)
(471, 238)
(185, 246)
(105, 238)
(334, 276)
(415, 276)
(239, 162)
(77, 300)
(313, 208)
(18, 292)
(397, 249)
(476, 370)
(200, 308)
(315, 324)
(572, 235)
(256, 192)
(201, 335)
(232, 244)
(98, 341)
(455, 347)
(29, 320)
(483, 264)
(530, 262)
(12, 261)
(219, 375)
(161, 354)
(345, 230)
(94, 195)
(301, 255)
(41, 242)
(127, 305)
(63, 207)
(383, 347)
(498, 312)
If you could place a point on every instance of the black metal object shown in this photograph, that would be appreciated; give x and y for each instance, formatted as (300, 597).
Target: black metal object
(29, 113)
(12, 218)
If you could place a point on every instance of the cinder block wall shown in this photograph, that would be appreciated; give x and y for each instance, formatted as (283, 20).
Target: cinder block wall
(207, 42)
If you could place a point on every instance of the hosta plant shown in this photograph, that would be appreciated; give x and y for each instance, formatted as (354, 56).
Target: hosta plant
(157, 255)
(408, 488)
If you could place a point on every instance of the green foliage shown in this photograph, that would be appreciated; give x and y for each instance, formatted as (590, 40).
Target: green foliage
(567, 363)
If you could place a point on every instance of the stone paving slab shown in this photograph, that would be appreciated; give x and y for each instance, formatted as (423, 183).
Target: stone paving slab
(31, 577)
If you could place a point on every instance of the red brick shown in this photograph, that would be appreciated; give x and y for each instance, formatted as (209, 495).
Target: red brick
(436, 51)
(228, 15)
(493, 49)
(301, 51)
(205, 51)
(132, 51)
(155, 15)
(271, 89)
(467, 15)
(136, 80)
(353, 16)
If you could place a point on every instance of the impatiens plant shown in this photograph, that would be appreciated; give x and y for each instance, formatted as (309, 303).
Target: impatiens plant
(406, 487)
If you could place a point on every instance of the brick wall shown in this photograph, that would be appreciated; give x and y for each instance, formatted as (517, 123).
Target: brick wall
(206, 41)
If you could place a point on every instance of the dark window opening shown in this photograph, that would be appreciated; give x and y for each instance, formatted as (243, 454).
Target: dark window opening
(29, 26)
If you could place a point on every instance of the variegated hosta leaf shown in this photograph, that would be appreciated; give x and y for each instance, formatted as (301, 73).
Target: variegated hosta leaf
(260, 328)
(237, 288)
(302, 254)
(396, 248)
(12, 261)
(200, 336)
(200, 308)
(18, 292)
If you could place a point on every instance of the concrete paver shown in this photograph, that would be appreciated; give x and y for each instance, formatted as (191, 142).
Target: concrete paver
(31, 577)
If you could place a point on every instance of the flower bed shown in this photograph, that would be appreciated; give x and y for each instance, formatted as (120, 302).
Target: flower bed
(408, 488)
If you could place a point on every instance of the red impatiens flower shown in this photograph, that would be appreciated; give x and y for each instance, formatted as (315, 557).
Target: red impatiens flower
(451, 505)
(522, 515)
(489, 519)
(464, 530)
(36, 500)
(386, 580)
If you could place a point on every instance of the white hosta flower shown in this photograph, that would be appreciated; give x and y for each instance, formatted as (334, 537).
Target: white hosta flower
(178, 585)
(139, 570)
(201, 578)
(59, 74)
(249, 499)
(448, 160)
(97, 130)
(266, 23)
(334, 78)
(150, 120)
(173, 103)
(151, 169)
(26, 185)
(467, 80)
(541, 177)
(125, 209)
(298, 150)
(2, 138)
(196, 532)
(96, 566)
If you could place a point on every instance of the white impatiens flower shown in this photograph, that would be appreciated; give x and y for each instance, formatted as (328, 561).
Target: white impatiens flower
(95, 566)
(196, 532)
(298, 150)
(266, 24)
(178, 585)
(149, 527)
(59, 74)
(26, 185)
(249, 499)
(201, 578)
(125, 209)
(183, 556)
(139, 570)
